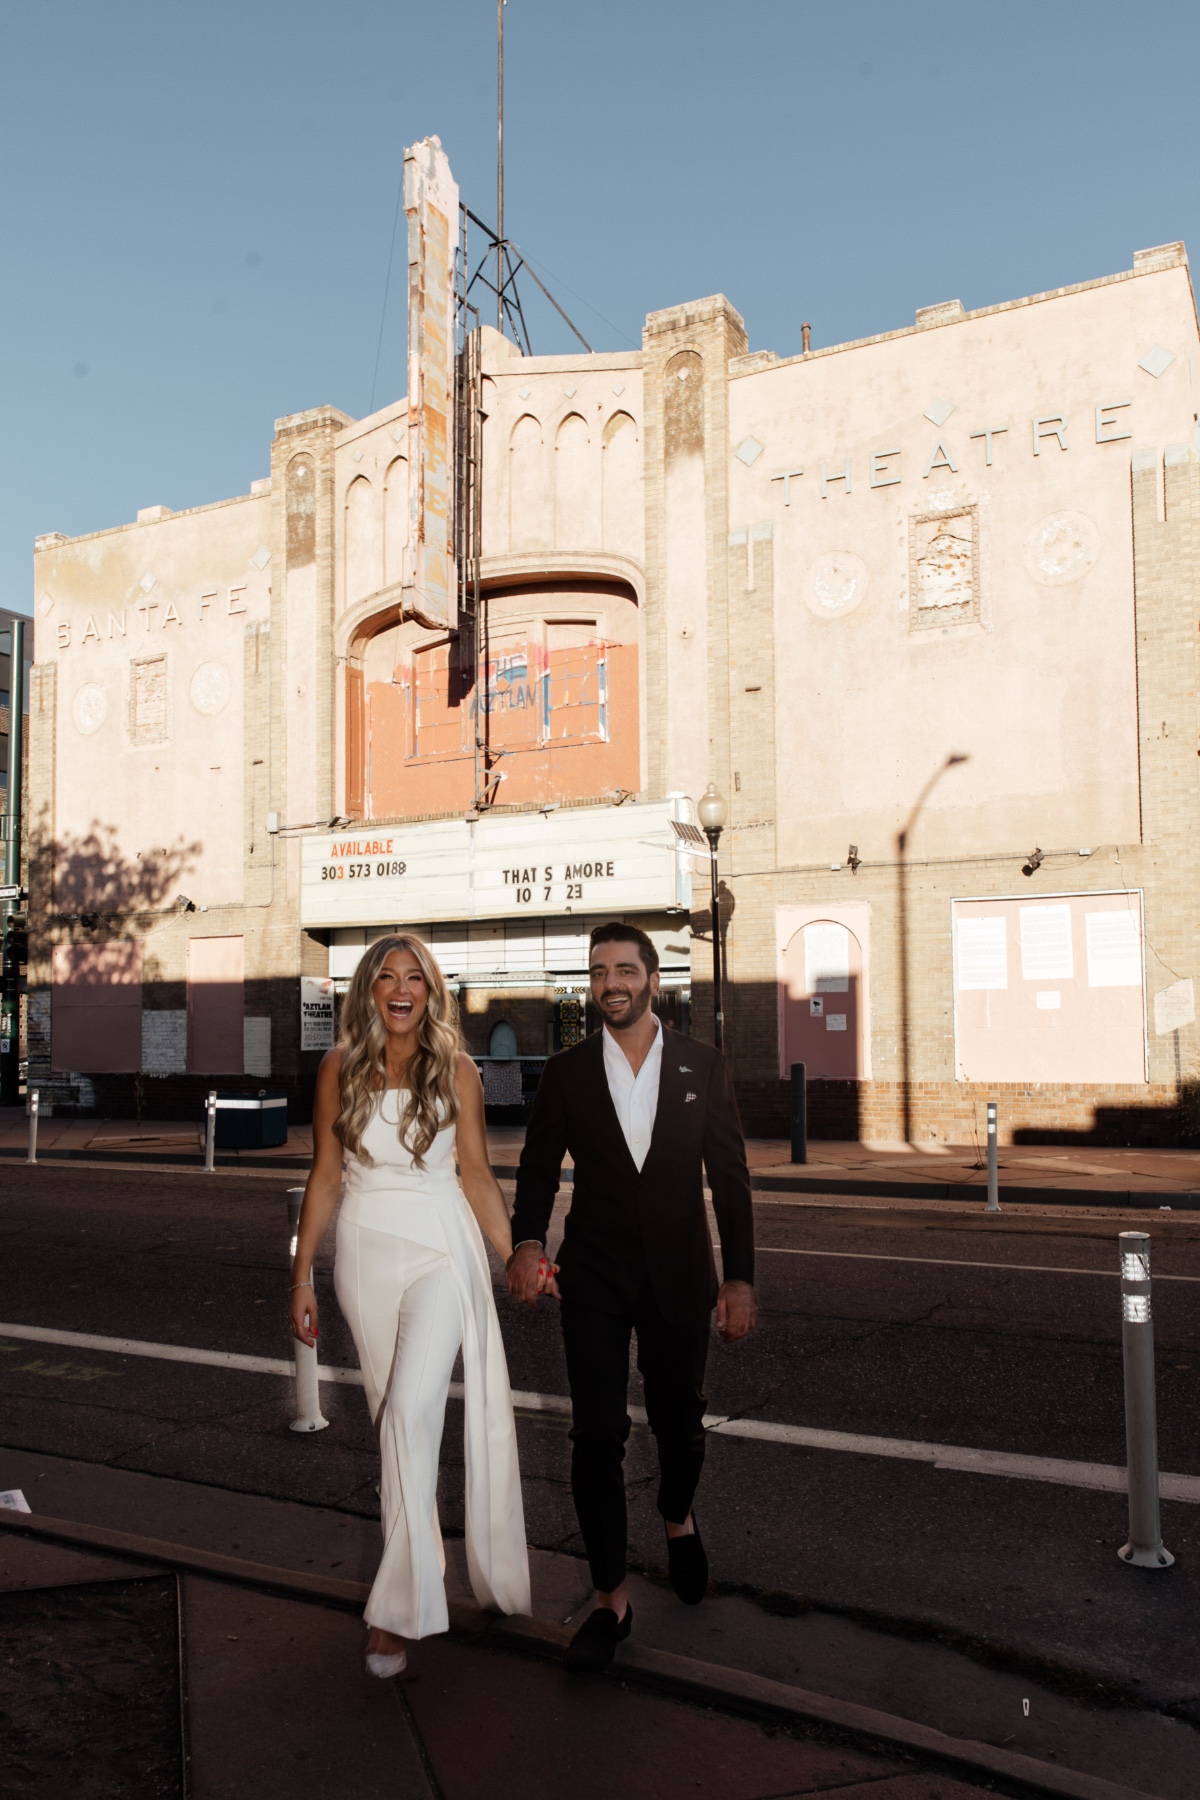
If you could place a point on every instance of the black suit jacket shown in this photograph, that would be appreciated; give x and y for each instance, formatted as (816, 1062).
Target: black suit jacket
(626, 1226)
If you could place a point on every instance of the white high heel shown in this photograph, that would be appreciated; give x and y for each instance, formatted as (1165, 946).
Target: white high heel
(382, 1666)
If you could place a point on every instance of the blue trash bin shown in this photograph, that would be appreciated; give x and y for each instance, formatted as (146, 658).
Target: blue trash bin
(251, 1121)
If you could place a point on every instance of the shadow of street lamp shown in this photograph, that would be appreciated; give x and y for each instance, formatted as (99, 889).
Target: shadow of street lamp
(903, 838)
(712, 813)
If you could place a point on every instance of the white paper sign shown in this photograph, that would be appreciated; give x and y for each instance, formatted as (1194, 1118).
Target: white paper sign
(835, 1021)
(1049, 1000)
(1174, 1007)
(13, 1500)
(1046, 944)
(827, 959)
(982, 954)
(316, 1012)
(1114, 949)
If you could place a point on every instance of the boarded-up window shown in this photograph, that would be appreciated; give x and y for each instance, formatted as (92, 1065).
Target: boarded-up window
(148, 699)
(437, 712)
(1050, 989)
(512, 691)
(576, 683)
(96, 1009)
(216, 969)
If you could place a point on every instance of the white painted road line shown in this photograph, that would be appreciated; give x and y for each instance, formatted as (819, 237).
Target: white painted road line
(953, 1262)
(213, 1359)
(1106, 1477)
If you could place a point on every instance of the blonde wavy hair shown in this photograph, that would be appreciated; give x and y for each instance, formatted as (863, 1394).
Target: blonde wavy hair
(433, 1100)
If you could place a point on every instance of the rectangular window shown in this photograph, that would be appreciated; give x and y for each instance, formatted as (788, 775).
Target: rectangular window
(575, 690)
(512, 697)
(96, 1009)
(216, 981)
(437, 711)
(1028, 1008)
(148, 700)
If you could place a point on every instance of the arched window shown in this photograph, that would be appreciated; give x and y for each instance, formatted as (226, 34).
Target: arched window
(574, 488)
(395, 521)
(621, 487)
(362, 546)
(503, 1040)
(528, 508)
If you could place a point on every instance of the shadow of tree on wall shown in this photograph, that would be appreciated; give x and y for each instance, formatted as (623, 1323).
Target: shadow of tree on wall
(81, 879)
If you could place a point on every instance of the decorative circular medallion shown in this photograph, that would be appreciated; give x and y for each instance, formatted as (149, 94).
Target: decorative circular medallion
(89, 709)
(835, 584)
(211, 688)
(1061, 548)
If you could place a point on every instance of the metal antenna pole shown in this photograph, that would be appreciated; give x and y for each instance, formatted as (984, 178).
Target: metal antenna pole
(500, 5)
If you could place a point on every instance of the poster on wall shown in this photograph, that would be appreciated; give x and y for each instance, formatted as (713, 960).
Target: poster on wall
(316, 1012)
(1050, 990)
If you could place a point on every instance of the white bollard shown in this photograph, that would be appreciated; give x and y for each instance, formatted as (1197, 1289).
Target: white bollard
(1145, 1546)
(308, 1392)
(993, 1199)
(210, 1134)
(34, 1100)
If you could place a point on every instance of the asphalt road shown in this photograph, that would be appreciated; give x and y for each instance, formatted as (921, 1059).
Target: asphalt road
(896, 1335)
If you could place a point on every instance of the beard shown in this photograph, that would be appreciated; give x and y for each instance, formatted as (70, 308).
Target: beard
(639, 1005)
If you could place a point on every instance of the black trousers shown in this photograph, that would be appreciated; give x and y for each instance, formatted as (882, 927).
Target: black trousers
(671, 1359)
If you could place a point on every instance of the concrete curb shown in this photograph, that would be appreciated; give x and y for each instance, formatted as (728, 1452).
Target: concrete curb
(716, 1684)
(1124, 1199)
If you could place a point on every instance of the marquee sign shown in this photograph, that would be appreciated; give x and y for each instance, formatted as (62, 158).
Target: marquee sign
(617, 859)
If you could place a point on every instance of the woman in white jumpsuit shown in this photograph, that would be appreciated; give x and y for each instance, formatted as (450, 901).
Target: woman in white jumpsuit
(396, 1101)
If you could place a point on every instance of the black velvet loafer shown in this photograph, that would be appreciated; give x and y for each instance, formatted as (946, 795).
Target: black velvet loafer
(687, 1565)
(592, 1648)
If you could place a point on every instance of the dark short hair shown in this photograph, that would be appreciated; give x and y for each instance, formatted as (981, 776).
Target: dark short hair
(616, 933)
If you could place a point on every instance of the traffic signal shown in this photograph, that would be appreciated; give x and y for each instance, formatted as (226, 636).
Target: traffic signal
(16, 939)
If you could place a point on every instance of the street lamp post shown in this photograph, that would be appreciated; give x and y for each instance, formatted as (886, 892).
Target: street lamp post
(712, 813)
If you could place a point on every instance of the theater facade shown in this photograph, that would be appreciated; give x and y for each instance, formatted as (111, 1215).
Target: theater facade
(924, 608)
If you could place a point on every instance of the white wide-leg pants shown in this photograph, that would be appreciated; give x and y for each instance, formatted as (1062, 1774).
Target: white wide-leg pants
(402, 1304)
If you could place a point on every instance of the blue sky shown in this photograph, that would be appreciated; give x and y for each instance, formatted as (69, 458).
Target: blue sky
(197, 201)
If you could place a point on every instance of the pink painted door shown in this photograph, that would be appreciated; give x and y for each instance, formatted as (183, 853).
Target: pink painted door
(822, 1002)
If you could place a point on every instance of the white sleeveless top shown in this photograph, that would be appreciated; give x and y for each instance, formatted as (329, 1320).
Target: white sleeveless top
(394, 1195)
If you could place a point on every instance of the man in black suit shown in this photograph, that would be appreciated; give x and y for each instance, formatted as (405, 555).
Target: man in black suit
(643, 1113)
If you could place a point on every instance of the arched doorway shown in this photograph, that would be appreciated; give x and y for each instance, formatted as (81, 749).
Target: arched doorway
(823, 1024)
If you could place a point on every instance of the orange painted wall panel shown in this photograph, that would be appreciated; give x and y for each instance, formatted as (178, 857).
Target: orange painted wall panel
(566, 719)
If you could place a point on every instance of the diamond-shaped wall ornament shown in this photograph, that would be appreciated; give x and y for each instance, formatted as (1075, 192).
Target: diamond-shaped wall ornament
(570, 392)
(618, 387)
(261, 557)
(939, 412)
(524, 392)
(147, 582)
(399, 433)
(45, 604)
(749, 451)
(358, 456)
(1156, 361)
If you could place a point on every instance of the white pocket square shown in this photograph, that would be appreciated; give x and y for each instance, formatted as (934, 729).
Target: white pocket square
(688, 1097)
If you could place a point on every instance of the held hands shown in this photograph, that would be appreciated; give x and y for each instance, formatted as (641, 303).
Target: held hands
(529, 1274)
(737, 1311)
(302, 1314)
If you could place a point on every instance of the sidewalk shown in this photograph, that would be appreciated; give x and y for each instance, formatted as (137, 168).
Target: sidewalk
(1045, 1175)
(273, 1674)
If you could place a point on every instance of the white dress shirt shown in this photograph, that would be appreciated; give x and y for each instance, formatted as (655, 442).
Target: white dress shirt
(635, 1097)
